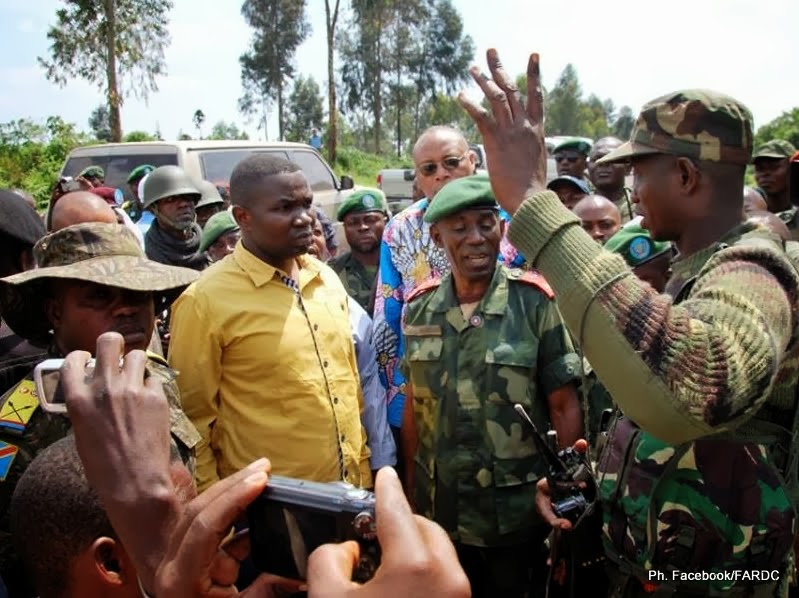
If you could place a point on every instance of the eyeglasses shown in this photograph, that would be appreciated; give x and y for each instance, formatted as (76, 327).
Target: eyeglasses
(450, 163)
(570, 158)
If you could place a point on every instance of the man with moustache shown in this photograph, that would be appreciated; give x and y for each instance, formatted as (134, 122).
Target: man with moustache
(364, 215)
(264, 346)
(91, 278)
(772, 172)
(409, 257)
(174, 237)
(608, 179)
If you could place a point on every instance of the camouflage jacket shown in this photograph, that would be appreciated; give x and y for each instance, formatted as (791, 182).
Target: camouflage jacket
(359, 284)
(718, 503)
(26, 430)
(476, 464)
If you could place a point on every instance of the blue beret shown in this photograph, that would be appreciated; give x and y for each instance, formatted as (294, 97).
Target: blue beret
(569, 180)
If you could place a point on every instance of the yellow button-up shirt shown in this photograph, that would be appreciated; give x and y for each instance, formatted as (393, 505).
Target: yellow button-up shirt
(263, 374)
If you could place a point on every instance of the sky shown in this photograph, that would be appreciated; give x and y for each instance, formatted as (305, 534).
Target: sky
(628, 50)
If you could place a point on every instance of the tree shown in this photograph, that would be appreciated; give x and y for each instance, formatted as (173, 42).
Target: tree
(117, 44)
(100, 123)
(139, 136)
(183, 136)
(280, 26)
(563, 104)
(785, 126)
(198, 119)
(623, 126)
(305, 109)
(223, 130)
(331, 20)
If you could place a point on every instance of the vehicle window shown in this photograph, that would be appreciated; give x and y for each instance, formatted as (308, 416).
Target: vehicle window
(117, 168)
(318, 174)
(218, 165)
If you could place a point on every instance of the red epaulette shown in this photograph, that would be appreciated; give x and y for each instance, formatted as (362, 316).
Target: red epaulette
(533, 278)
(425, 287)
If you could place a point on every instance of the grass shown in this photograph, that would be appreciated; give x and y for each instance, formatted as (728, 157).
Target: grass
(363, 167)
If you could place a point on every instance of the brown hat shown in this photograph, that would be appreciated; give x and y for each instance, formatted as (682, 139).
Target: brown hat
(107, 254)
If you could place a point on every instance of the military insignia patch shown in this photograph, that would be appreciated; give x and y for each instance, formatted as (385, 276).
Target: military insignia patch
(368, 201)
(19, 407)
(8, 453)
(640, 248)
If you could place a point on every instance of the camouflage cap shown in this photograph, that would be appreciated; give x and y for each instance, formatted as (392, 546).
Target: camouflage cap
(580, 146)
(107, 254)
(92, 172)
(363, 200)
(692, 123)
(776, 148)
(465, 193)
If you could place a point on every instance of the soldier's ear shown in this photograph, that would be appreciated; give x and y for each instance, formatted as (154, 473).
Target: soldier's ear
(435, 234)
(112, 566)
(53, 310)
(502, 226)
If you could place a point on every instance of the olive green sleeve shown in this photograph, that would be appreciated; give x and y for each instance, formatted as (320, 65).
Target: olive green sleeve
(680, 372)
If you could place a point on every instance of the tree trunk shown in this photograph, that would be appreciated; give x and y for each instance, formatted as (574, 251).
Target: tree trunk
(332, 111)
(265, 116)
(111, 72)
(280, 111)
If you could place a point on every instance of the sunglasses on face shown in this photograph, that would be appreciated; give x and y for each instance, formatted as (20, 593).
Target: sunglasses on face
(450, 163)
(570, 158)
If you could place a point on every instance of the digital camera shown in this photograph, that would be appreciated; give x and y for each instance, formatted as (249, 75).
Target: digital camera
(292, 518)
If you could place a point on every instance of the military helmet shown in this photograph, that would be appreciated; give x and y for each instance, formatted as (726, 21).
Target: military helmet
(167, 181)
(210, 194)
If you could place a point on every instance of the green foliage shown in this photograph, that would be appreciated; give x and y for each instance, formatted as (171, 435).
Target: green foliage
(363, 167)
(100, 123)
(279, 27)
(134, 136)
(305, 110)
(398, 55)
(78, 48)
(32, 154)
(223, 130)
(198, 119)
(785, 126)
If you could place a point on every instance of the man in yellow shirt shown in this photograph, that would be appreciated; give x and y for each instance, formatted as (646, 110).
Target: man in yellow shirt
(263, 345)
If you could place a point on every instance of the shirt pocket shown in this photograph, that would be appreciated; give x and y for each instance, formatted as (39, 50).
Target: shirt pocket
(511, 372)
(514, 493)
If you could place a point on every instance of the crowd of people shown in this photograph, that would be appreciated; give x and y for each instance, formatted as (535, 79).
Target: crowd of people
(651, 331)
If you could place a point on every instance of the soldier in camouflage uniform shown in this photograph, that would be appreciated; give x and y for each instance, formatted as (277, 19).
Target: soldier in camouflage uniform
(699, 473)
(92, 278)
(478, 341)
(364, 214)
(608, 179)
(772, 171)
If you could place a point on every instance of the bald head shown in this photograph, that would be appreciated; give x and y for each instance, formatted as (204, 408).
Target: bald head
(79, 207)
(753, 201)
(771, 222)
(441, 154)
(599, 216)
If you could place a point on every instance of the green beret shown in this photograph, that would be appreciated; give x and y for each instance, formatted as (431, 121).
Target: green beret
(776, 148)
(217, 225)
(636, 245)
(92, 172)
(461, 194)
(577, 145)
(140, 172)
(363, 200)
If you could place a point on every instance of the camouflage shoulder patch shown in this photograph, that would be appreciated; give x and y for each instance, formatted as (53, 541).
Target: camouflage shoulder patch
(532, 278)
(425, 287)
(18, 406)
(8, 453)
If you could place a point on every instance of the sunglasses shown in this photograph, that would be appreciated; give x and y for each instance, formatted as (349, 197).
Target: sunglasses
(570, 158)
(451, 163)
